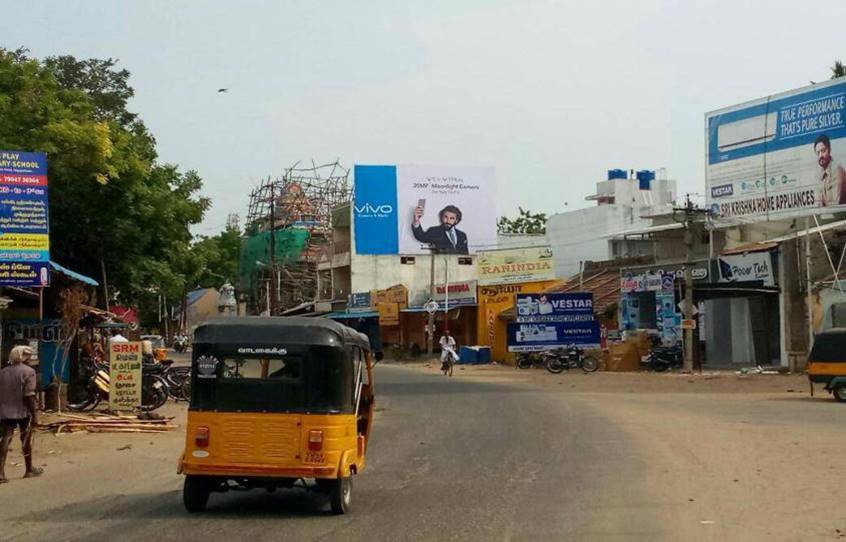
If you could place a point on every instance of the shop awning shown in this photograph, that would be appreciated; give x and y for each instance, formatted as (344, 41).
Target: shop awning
(645, 230)
(810, 231)
(440, 308)
(750, 247)
(73, 274)
(351, 315)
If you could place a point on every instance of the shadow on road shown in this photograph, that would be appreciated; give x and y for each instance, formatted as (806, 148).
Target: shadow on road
(258, 503)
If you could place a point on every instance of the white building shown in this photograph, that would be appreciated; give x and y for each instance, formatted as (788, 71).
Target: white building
(623, 204)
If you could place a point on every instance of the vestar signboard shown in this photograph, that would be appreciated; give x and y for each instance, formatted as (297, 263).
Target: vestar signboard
(778, 157)
(417, 209)
(553, 307)
(24, 219)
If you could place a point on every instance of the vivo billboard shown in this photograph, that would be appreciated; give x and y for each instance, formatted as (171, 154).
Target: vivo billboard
(778, 157)
(417, 209)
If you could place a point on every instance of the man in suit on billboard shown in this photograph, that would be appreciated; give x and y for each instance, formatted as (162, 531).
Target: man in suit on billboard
(832, 176)
(446, 238)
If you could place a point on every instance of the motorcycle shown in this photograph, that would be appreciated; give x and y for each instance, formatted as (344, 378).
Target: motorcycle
(662, 358)
(180, 343)
(572, 357)
(153, 390)
(527, 360)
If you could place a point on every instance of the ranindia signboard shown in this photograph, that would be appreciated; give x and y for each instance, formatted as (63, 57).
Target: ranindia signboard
(24, 219)
(778, 157)
(510, 266)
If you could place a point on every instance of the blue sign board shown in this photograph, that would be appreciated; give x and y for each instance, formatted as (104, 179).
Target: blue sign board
(537, 336)
(24, 219)
(555, 307)
(375, 210)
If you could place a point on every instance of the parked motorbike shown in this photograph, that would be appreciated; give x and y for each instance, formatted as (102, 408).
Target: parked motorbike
(177, 379)
(180, 343)
(663, 358)
(153, 390)
(572, 357)
(527, 360)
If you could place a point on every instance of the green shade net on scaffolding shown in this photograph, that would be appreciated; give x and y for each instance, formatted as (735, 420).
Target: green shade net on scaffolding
(290, 243)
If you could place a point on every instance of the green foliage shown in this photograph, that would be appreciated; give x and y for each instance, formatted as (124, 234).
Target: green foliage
(526, 222)
(220, 255)
(111, 203)
(838, 70)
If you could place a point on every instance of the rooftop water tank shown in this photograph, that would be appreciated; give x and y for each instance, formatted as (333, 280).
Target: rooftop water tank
(616, 174)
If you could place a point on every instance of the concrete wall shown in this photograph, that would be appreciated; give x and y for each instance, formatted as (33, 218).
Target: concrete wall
(576, 236)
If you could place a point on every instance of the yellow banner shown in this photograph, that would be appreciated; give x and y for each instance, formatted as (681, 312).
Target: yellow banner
(24, 241)
(516, 265)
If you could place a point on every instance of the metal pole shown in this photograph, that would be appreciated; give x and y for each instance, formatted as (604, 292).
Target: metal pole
(446, 293)
(809, 285)
(430, 346)
(273, 294)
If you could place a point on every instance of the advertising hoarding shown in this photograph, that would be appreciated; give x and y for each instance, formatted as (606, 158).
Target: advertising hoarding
(125, 375)
(755, 266)
(537, 336)
(460, 292)
(24, 219)
(511, 266)
(555, 307)
(778, 157)
(409, 209)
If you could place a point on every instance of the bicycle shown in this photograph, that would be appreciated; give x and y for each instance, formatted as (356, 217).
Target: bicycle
(449, 361)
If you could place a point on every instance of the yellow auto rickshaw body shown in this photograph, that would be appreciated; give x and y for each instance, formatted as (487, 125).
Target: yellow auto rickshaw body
(276, 400)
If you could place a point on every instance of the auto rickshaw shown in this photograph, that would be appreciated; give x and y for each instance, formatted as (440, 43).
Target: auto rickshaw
(827, 362)
(277, 401)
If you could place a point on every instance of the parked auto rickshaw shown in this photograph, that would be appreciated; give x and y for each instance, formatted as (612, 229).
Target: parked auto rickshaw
(827, 362)
(274, 402)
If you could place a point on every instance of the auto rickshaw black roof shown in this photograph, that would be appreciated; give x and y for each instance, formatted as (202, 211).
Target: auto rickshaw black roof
(279, 330)
(829, 346)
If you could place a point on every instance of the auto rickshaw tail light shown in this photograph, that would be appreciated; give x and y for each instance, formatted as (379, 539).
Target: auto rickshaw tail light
(315, 440)
(201, 437)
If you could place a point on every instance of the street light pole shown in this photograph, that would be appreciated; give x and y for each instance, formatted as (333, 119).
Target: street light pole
(430, 341)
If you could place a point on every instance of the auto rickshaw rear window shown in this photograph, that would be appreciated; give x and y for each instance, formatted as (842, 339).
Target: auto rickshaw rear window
(288, 368)
(829, 347)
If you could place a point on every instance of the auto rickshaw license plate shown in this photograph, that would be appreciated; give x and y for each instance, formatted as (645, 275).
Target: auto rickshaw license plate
(314, 457)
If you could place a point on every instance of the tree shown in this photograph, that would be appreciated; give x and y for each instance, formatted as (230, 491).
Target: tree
(221, 254)
(112, 205)
(526, 222)
(838, 70)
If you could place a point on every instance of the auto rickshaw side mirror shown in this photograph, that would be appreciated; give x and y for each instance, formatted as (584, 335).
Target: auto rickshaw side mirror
(379, 356)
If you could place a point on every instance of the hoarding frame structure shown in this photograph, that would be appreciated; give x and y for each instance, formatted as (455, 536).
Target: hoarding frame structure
(422, 209)
(763, 158)
(24, 219)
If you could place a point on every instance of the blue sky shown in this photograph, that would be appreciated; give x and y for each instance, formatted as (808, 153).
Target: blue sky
(550, 93)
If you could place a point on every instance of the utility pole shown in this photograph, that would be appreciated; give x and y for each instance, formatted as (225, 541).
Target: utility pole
(274, 299)
(687, 312)
(430, 341)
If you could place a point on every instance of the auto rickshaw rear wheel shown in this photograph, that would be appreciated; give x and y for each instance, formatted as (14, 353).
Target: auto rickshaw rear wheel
(839, 392)
(340, 495)
(195, 492)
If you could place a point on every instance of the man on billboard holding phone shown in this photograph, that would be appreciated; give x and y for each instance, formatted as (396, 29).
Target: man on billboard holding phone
(833, 176)
(444, 239)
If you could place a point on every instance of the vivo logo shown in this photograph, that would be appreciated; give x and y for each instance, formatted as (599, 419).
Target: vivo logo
(368, 209)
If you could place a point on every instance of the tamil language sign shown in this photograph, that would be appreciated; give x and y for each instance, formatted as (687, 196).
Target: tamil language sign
(24, 219)
(555, 307)
(516, 265)
(124, 375)
(778, 157)
(410, 209)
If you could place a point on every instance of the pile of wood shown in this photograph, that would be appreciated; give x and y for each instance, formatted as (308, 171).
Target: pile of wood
(110, 423)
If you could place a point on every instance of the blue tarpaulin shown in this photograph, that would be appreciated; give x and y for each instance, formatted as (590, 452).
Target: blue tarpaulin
(73, 274)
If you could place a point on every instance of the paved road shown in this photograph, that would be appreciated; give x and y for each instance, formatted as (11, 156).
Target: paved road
(464, 459)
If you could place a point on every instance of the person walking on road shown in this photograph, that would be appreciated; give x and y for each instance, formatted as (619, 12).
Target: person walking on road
(18, 408)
